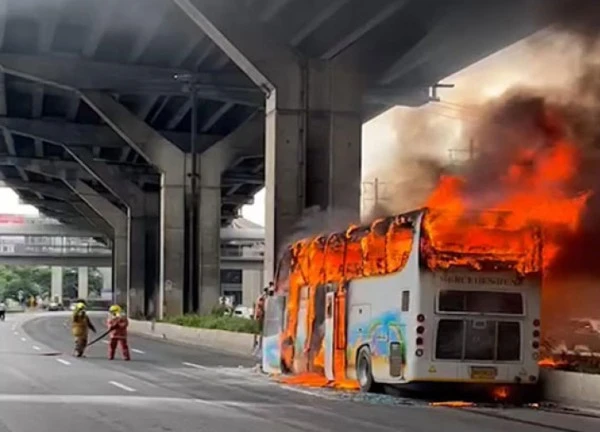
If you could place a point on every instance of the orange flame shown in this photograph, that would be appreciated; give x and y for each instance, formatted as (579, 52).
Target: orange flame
(381, 248)
(452, 404)
(502, 227)
(532, 192)
(552, 363)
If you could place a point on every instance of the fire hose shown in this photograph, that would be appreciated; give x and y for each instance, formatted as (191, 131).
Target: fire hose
(102, 336)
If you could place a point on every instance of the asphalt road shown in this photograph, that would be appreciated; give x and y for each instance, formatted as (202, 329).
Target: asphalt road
(174, 388)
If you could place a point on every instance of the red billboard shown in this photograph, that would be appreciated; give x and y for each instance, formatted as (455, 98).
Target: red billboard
(8, 219)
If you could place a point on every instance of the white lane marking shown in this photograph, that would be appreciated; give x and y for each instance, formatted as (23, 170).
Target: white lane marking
(23, 339)
(105, 341)
(17, 333)
(14, 327)
(35, 347)
(65, 362)
(194, 365)
(121, 386)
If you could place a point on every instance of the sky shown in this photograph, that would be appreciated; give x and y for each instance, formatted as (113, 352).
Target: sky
(541, 60)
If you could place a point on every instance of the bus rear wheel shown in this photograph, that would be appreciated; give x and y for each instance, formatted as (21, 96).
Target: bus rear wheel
(364, 371)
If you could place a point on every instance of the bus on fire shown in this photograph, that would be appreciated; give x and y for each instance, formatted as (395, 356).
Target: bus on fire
(401, 302)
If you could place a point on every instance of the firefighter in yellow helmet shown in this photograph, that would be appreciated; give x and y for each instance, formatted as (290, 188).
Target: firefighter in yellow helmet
(80, 324)
(117, 325)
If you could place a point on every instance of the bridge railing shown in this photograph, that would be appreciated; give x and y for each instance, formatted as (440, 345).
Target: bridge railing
(36, 250)
(231, 251)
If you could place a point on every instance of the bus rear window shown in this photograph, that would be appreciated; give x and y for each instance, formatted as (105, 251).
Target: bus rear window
(478, 340)
(509, 303)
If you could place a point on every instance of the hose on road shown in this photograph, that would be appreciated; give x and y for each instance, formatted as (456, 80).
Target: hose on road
(102, 336)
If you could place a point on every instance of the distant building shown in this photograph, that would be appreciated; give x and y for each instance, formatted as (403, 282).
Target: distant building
(242, 238)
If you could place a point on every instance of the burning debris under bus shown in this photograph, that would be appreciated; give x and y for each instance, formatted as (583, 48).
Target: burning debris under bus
(358, 308)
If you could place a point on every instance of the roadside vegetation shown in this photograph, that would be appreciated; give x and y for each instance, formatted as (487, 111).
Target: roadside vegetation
(35, 281)
(215, 322)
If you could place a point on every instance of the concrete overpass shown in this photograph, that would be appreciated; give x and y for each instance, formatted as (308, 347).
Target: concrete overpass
(156, 131)
(17, 225)
(98, 256)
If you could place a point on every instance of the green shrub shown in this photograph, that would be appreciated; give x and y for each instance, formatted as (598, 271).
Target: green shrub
(228, 323)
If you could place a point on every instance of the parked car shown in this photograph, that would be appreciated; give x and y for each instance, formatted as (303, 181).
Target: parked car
(55, 306)
(243, 312)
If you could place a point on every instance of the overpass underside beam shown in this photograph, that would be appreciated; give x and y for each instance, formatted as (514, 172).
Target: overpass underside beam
(313, 122)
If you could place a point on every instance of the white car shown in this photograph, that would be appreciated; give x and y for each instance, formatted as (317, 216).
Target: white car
(54, 306)
(243, 312)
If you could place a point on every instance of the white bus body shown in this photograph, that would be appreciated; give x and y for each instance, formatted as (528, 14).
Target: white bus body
(454, 326)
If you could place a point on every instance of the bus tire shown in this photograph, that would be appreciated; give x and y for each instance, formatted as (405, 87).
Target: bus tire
(364, 371)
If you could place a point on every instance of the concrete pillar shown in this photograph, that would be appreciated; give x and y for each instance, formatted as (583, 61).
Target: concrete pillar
(313, 121)
(56, 284)
(252, 286)
(120, 269)
(209, 242)
(170, 161)
(83, 283)
(152, 254)
(107, 281)
(246, 140)
(136, 250)
(317, 169)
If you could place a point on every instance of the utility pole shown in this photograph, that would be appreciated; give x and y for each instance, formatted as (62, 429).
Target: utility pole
(191, 287)
(195, 203)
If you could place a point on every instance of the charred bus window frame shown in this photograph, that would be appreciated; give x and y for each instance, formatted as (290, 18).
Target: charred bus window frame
(465, 312)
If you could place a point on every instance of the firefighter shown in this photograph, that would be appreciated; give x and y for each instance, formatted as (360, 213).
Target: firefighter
(117, 325)
(259, 316)
(80, 324)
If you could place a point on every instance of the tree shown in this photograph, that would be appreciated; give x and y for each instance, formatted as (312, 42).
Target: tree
(71, 282)
(37, 280)
(31, 280)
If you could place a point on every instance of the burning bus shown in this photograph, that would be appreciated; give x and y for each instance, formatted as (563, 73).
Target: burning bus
(421, 297)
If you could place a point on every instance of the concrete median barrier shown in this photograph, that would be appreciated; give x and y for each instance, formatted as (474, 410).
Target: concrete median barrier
(235, 343)
(571, 388)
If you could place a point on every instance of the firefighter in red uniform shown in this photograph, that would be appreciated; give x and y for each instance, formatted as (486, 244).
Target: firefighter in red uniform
(117, 324)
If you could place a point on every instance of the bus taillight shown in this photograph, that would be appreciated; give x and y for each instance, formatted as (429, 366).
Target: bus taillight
(536, 322)
(419, 341)
(536, 333)
(420, 330)
(535, 344)
(420, 318)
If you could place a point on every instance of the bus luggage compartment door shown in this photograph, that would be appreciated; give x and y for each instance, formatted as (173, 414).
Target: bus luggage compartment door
(329, 335)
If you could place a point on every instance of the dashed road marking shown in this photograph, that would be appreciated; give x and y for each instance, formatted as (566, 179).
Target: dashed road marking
(137, 351)
(121, 386)
(35, 347)
(194, 365)
(23, 339)
(17, 333)
(65, 362)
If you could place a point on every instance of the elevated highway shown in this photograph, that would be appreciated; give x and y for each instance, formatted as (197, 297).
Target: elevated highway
(156, 131)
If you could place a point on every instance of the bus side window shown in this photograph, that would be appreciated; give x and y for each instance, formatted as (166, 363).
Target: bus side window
(405, 300)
